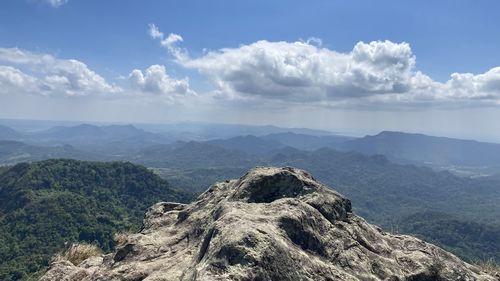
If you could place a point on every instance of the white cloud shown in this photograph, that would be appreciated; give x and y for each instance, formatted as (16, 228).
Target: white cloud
(56, 3)
(43, 74)
(18, 56)
(302, 72)
(272, 74)
(12, 79)
(482, 87)
(374, 73)
(314, 41)
(155, 80)
(154, 32)
(170, 42)
(49, 75)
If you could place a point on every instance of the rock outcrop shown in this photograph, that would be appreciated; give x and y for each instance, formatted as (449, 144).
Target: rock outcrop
(271, 224)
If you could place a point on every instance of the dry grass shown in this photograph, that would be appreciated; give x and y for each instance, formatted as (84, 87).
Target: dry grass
(489, 266)
(78, 253)
(120, 238)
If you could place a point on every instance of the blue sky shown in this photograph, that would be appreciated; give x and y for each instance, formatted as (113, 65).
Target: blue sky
(111, 39)
(446, 36)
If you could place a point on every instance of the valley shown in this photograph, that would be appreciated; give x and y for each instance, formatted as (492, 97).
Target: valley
(460, 213)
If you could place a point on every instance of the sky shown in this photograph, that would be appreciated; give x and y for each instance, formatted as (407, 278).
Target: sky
(349, 66)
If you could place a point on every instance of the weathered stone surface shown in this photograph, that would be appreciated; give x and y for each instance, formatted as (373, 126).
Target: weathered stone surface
(271, 224)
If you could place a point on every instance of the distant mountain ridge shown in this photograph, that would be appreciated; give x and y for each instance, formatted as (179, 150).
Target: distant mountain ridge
(128, 142)
(191, 155)
(307, 142)
(7, 133)
(200, 131)
(248, 144)
(419, 148)
(185, 131)
(12, 152)
(86, 133)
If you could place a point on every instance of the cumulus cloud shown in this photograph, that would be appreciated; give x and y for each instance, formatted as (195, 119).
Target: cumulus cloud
(482, 87)
(12, 79)
(49, 75)
(27, 72)
(303, 72)
(155, 80)
(378, 72)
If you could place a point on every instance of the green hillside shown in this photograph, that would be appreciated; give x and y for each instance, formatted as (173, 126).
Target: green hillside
(47, 204)
(470, 240)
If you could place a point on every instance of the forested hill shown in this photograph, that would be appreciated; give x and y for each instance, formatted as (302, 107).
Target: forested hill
(47, 204)
(468, 239)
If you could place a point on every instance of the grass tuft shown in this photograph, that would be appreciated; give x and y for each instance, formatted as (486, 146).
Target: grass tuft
(489, 266)
(77, 253)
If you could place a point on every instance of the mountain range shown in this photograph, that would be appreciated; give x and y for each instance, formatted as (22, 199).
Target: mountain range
(428, 150)
(126, 142)
(393, 178)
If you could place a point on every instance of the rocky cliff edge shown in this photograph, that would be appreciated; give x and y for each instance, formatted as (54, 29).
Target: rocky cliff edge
(271, 224)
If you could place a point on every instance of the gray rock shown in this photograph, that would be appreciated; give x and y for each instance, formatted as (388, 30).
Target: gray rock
(271, 224)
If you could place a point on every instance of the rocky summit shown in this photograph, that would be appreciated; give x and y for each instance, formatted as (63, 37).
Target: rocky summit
(271, 224)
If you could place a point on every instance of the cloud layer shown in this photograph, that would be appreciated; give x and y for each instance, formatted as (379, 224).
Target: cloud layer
(378, 74)
(375, 73)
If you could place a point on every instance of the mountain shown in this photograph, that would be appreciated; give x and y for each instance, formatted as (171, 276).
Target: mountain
(379, 187)
(249, 144)
(113, 141)
(27, 125)
(46, 204)
(423, 149)
(61, 133)
(382, 189)
(183, 131)
(12, 152)
(200, 131)
(271, 224)
(307, 142)
(85, 133)
(191, 155)
(383, 192)
(7, 133)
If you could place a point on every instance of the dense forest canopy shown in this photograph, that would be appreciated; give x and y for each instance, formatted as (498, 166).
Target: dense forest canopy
(47, 205)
